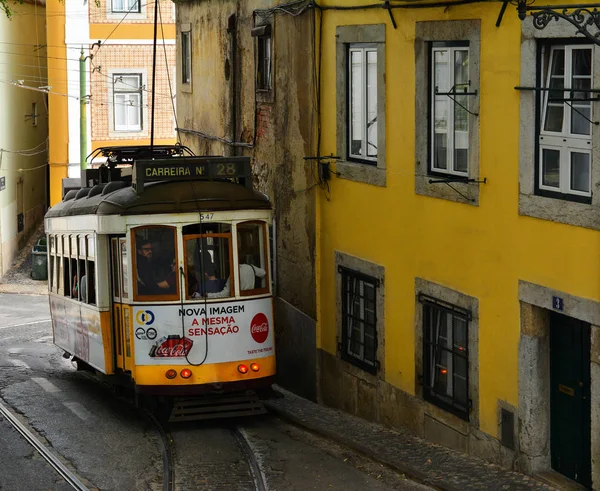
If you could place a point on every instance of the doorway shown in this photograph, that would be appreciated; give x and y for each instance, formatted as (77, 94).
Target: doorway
(570, 416)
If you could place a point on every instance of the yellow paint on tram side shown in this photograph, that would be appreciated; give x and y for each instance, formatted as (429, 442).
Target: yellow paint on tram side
(108, 341)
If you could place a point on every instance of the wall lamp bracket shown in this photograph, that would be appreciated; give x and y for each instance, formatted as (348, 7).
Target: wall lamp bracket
(584, 17)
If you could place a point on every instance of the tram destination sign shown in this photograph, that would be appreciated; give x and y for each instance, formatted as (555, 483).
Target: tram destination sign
(191, 169)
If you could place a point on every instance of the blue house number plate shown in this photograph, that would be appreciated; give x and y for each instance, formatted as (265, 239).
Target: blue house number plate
(557, 303)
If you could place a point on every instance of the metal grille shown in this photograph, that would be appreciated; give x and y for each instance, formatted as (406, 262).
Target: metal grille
(359, 320)
(446, 357)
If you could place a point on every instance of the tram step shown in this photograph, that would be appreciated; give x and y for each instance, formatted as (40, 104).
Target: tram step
(212, 407)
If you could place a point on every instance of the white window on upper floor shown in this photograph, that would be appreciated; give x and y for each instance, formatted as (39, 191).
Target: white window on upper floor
(362, 102)
(564, 143)
(132, 6)
(449, 109)
(127, 101)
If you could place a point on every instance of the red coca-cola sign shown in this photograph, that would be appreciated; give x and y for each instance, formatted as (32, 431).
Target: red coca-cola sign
(259, 328)
(171, 347)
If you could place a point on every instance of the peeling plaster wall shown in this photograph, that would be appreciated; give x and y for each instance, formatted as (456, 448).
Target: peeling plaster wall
(283, 122)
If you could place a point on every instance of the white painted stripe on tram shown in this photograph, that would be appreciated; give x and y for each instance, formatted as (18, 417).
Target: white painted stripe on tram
(19, 363)
(25, 324)
(78, 410)
(45, 384)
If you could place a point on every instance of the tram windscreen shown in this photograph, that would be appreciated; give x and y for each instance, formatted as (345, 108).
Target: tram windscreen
(156, 261)
(208, 259)
(252, 263)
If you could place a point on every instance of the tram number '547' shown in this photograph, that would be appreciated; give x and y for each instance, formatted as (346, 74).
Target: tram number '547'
(206, 216)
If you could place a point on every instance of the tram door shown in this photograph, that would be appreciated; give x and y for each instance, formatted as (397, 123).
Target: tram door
(121, 311)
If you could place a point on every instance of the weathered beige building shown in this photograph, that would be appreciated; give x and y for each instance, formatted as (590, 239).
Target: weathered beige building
(246, 86)
(23, 127)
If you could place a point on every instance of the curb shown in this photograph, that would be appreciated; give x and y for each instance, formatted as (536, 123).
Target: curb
(409, 472)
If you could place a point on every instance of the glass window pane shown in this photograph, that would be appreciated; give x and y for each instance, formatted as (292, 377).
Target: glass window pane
(372, 103)
(582, 61)
(155, 261)
(461, 69)
(251, 254)
(356, 103)
(207, 258)
(580, 172)
(580, 120)
(120, 111)
(558, 62)
(554, 117)
(440, 151)
(551, 167)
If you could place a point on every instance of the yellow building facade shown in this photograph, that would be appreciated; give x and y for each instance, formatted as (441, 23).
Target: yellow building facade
(458, 234)
(117, 39)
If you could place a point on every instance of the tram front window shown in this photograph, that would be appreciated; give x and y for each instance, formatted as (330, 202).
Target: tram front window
(156, 261)
(208, 258)
(251, 255)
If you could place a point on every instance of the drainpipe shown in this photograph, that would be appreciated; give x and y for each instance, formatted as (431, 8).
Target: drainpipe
(232, 30)
(82, 113)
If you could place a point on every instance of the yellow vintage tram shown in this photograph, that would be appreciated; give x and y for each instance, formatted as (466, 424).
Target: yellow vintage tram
(159, 274)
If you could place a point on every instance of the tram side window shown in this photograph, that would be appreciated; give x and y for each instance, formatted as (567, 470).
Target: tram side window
(208, 257)
(88, 292)
(67, 278)
(74, 277)
(156, 261)
(252, 258)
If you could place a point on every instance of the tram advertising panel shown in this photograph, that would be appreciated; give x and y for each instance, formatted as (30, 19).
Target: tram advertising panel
(203, 333)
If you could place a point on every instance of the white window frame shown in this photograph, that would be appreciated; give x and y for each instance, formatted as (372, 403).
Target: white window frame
(364, 49)
(450, 131)
(131, 95)
(564, 142)
(128, 6)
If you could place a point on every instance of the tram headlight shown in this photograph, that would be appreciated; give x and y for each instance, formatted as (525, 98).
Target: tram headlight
(242, 369)
(186, 373)
(171, 374)
(255, 367)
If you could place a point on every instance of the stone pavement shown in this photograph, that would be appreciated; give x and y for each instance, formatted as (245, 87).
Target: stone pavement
(18, 278)
(418, 459)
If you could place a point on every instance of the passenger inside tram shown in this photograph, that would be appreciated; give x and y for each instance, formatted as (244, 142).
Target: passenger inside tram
(156, 264)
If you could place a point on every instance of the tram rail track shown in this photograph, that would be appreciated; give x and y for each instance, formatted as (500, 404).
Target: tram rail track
(260, 481)
(44, 451)
(166, 444)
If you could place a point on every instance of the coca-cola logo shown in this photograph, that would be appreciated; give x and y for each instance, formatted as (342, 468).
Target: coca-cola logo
(171, 347)
(259, 328)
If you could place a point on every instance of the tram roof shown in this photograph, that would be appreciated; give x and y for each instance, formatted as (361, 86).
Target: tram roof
(119, 198)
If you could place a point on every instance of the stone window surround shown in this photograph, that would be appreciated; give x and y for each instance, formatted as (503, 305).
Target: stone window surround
(534, 379)
(357, 171)
(112, 133)
(451, 30)
(186, 88)
(376, 271)
(466, 302)
(530, 204)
